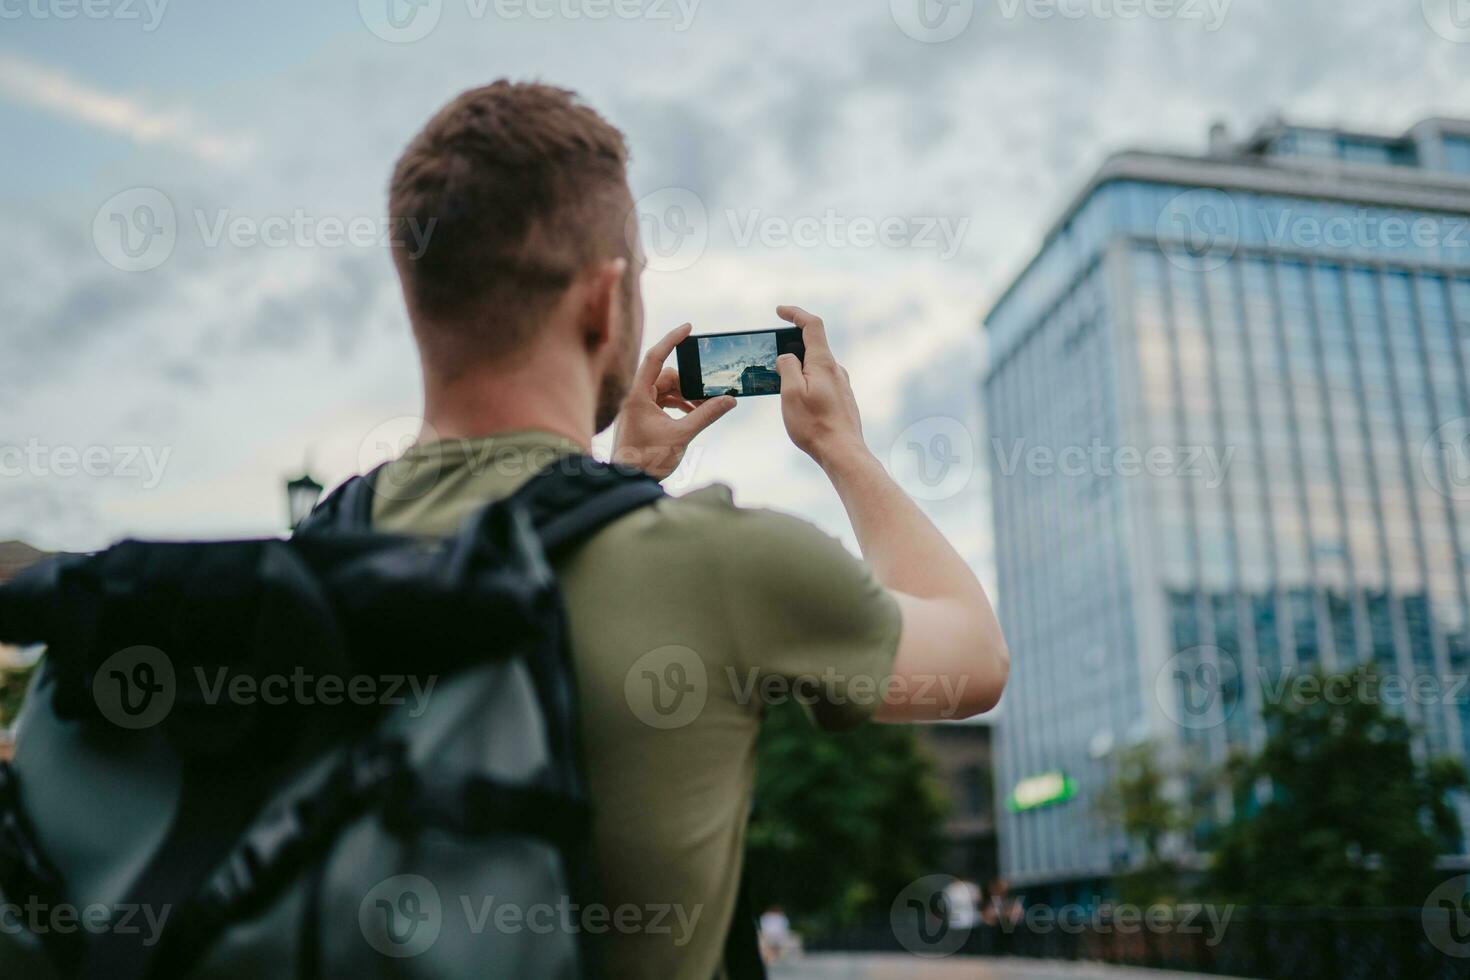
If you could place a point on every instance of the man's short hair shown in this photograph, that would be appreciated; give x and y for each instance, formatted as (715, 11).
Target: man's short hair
(519, 187)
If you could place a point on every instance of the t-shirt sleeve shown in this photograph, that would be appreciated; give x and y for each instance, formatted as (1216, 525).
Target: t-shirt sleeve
(809, 621)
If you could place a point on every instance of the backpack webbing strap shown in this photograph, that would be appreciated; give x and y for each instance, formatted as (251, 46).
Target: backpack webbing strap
(215, 806)
(591, 494)
(268, 858)
(347, 508)
(300, 838)
(479, 807)
(27, 875)
(573, 525)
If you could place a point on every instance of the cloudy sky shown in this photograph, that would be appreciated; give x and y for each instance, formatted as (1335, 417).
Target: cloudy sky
(195, 302)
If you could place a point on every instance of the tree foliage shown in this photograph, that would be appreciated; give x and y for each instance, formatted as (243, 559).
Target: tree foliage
(842, 822)
(1139, 800)
(1336, 810)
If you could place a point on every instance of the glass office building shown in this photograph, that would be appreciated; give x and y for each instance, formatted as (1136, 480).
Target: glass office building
(1228, 410)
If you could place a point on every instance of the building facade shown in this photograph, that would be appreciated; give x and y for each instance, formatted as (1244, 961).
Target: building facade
(964, 764)
(1228, 411)
(756, 380)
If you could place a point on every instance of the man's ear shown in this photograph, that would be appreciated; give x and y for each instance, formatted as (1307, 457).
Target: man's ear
(600, 308)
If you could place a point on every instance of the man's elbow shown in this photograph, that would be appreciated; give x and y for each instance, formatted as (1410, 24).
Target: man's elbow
(981, 689)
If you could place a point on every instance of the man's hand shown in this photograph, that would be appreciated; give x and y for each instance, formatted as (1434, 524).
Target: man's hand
(649, 438)
(817, 403)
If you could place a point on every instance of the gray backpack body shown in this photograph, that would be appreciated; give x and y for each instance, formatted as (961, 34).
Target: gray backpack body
(343, 755)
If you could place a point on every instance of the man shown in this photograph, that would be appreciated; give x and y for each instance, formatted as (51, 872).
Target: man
(526, 308)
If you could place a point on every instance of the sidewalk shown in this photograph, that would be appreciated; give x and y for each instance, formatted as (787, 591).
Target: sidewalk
(855, 967)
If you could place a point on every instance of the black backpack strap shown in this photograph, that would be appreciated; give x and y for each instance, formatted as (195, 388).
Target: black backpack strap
(26, 874)
(347, 508)
(568, 500)
(299, 834)
(572, 526)
(215, 807)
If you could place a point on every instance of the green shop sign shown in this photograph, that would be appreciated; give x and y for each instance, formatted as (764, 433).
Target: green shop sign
(1047, 789)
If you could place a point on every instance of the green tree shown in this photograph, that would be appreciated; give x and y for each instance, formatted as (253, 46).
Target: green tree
(1335, 810)
(842, 821)
(1139, 800)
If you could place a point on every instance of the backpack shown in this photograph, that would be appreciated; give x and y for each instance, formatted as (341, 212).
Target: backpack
(275, 758)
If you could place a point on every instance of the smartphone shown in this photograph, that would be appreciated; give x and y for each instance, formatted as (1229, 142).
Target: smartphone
(740, 364)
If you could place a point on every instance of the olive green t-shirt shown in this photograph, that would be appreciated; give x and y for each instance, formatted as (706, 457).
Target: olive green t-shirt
(686, 617)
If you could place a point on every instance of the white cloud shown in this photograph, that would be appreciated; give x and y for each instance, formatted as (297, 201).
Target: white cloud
(42, 87)
(245, 361)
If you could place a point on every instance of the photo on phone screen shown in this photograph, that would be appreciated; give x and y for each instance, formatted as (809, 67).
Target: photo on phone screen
(739, 364)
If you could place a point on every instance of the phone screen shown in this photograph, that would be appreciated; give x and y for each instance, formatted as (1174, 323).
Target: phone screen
(739, 364)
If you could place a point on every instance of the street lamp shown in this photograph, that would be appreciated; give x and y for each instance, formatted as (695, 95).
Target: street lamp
(302, 494)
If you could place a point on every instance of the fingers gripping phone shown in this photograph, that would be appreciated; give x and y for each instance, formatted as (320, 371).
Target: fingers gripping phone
(740, 364)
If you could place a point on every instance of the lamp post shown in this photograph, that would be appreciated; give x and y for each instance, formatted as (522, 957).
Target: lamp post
(302, 494)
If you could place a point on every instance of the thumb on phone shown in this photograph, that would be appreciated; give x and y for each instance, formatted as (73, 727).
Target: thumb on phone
(788, 366)
(707, 414)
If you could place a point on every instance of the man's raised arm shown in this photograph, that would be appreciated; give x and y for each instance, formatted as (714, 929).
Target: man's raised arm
(950, 633)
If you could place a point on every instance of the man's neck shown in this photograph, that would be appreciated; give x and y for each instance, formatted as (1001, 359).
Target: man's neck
(492, 400)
